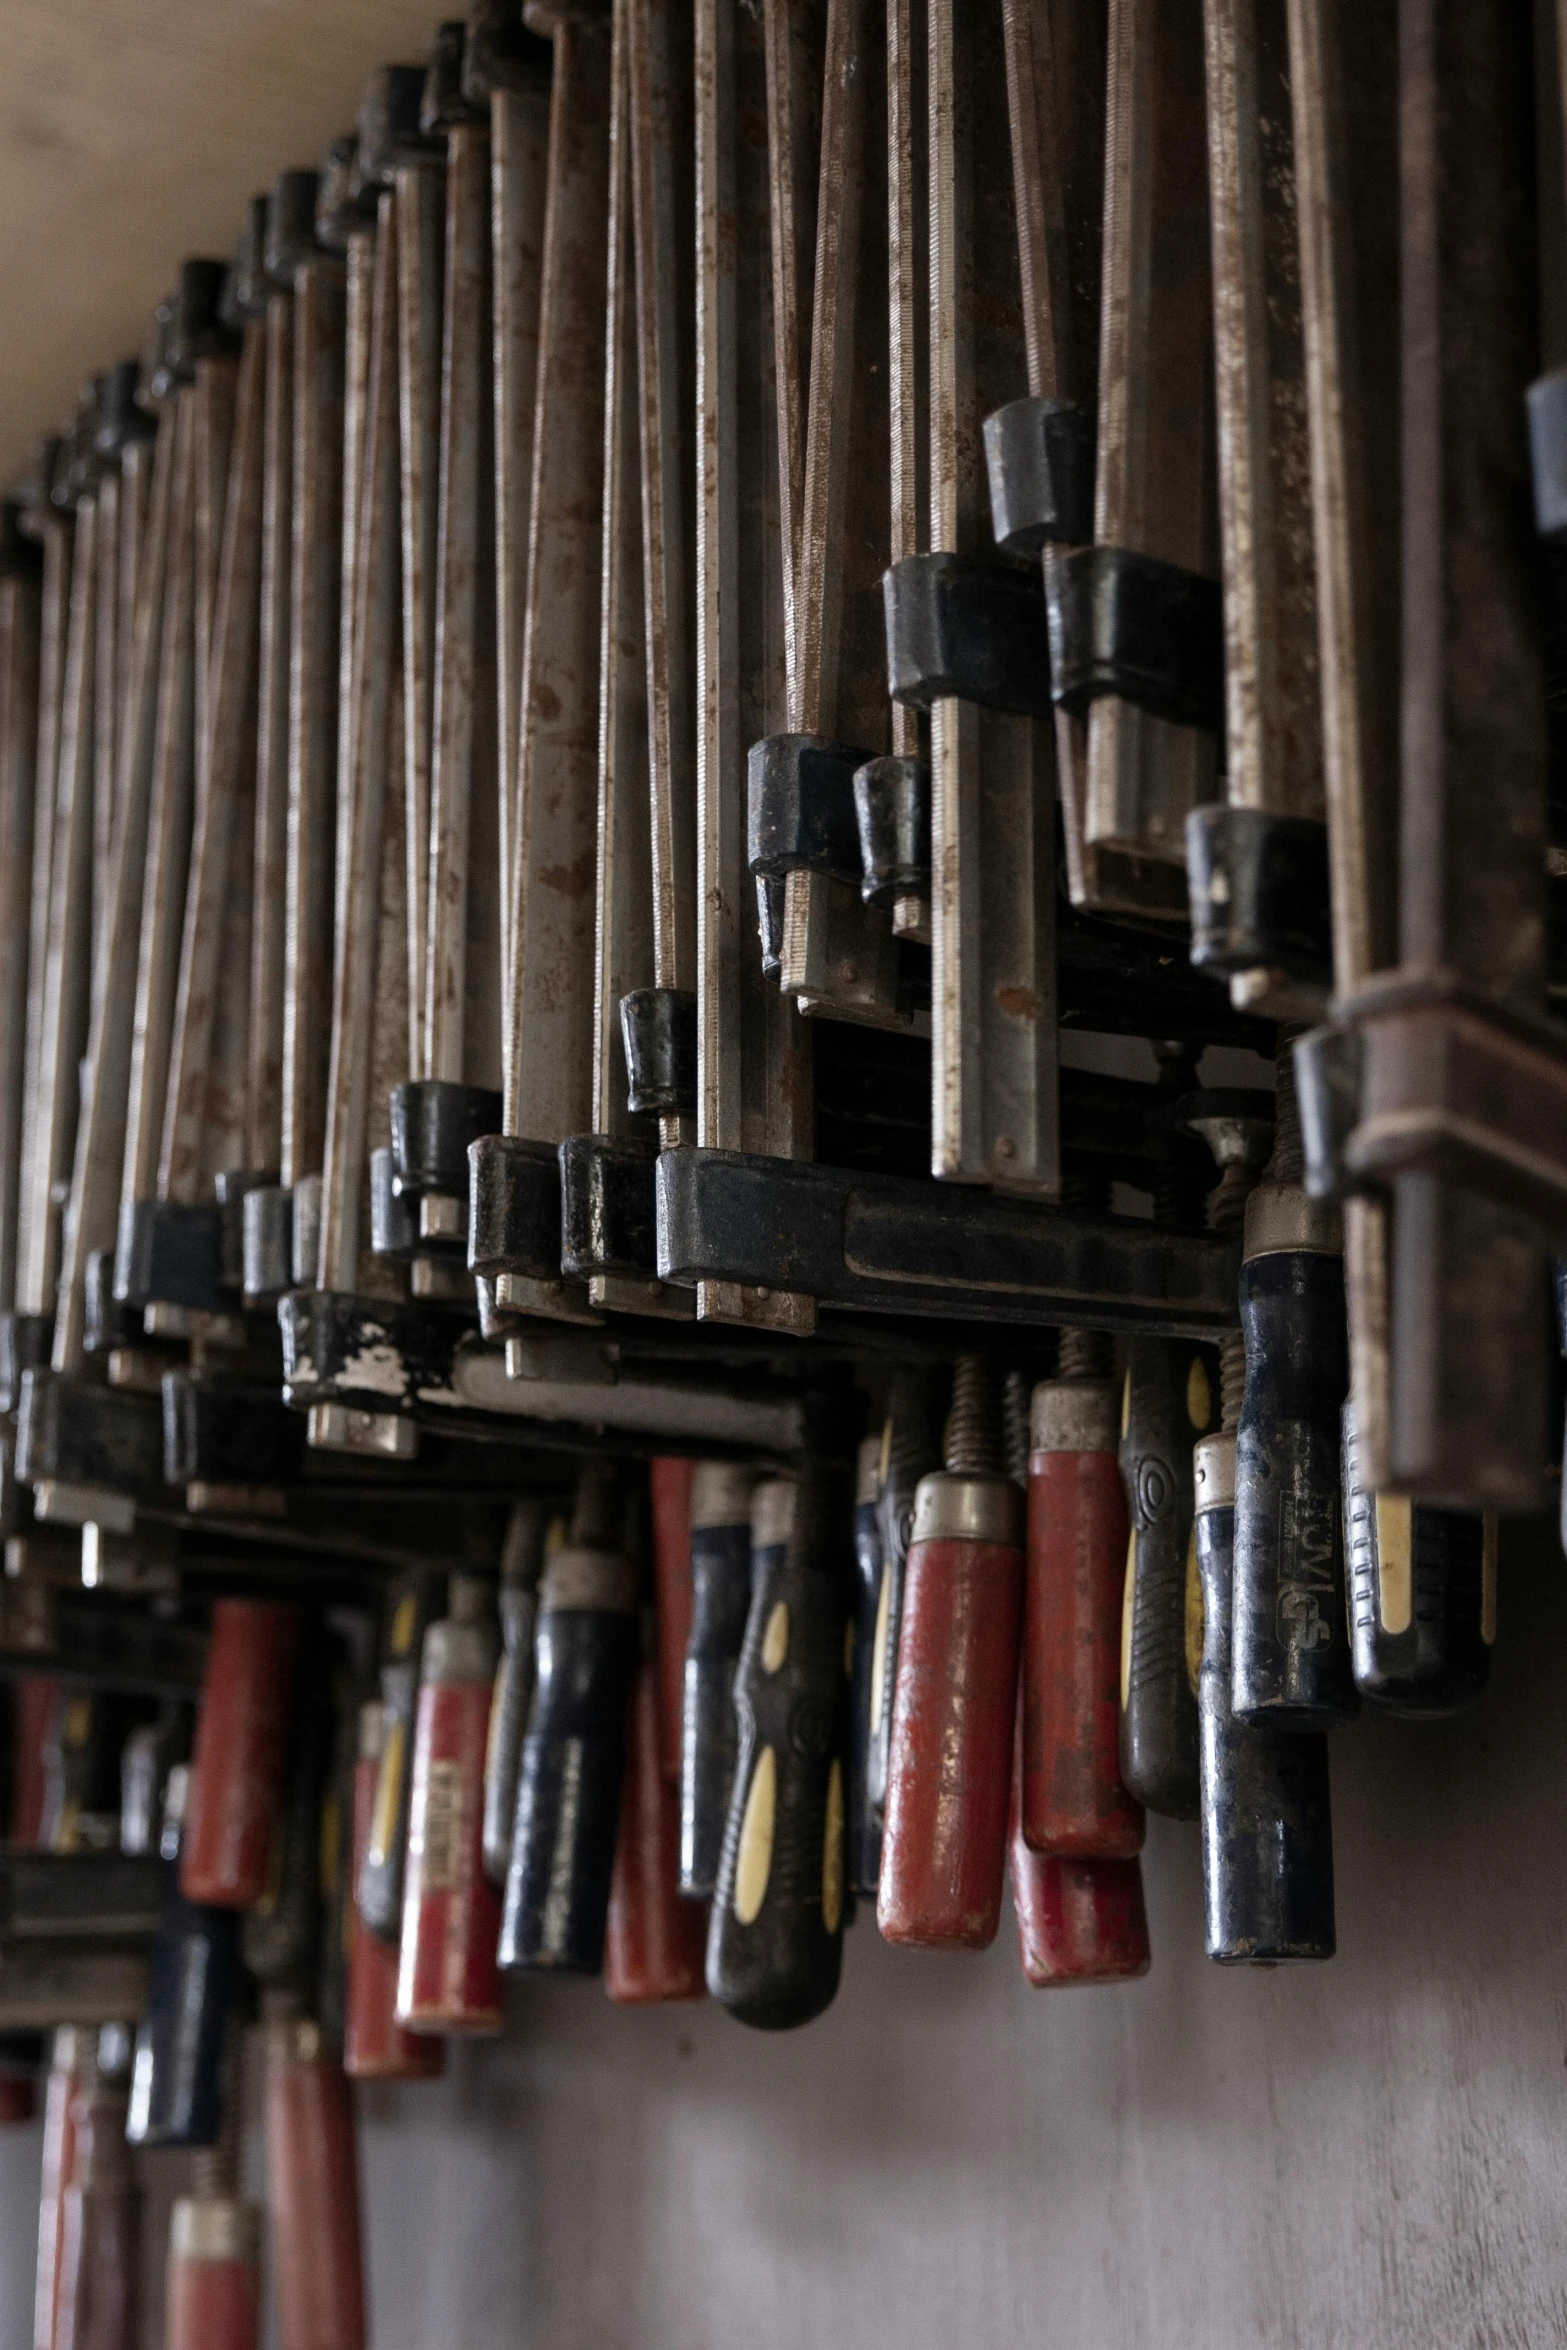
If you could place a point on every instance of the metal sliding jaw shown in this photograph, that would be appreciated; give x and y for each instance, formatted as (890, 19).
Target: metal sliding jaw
(994, 1112)
(754, 1082)
(301, 616)
(1257, 866)
(454, 961)
(836, 949)
(547, 1064)
(1440, 1087)
(1135, 619)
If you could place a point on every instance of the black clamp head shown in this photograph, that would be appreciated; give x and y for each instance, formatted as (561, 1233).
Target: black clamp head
(84, 468)
(446, 105)
(122, 418)
(1258, 886)
(1147, 631)
(246, 288)
(1039, 455)
(291, 225)
(196, 328)
(658, 1031)
(501, 54)
(20, 555)
(800, 807)
(390, 136)
(974, 631)
(35, 491)
(892, 815)
(344, 203)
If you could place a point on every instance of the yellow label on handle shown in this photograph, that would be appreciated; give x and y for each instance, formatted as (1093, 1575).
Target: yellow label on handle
(1128, 1592)
(832, 1851)
(754, 1864)
(383, 1820)
(1395, 1562)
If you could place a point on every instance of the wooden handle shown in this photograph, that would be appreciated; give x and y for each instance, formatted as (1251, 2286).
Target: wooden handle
(213, 2294)
(670, 1482)
(775, 1939)
(1078, 1921)
(1422, 1596)
(446, 1978)
(375, 2045)
(281, 1940)
(237, 1771)
(312, 2193)
(1074, 1800)
(864, 1826)
(950, 1768)
(656, 1939)
(1170, 1401)
(720, 1603)
(1267, 1826)
(1291, 1663)
(568, 1792)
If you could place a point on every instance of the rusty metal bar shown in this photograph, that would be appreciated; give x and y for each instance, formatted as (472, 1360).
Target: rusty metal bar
(753, 1048)
(20, 615)
(264, 1071)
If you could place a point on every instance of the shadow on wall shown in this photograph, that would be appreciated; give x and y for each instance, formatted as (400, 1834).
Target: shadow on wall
(1366, 2154)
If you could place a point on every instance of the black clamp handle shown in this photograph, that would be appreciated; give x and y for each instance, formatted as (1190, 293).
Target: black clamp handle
(1145, 630)
(1039, 456)
(973, 631)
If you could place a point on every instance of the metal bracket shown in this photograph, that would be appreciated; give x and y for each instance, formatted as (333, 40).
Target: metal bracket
(658, 1031)
(1039, 455)
(898, 1245)
(962, 629)
(1258, 886)
(1146, 631)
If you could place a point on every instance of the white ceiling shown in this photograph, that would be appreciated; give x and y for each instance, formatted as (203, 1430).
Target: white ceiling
(131, 134)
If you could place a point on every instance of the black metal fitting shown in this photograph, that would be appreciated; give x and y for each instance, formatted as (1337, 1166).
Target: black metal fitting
(514, 1207)
(106, 1323)
(233, 1187)
(609, 1218)
(196, 328)
(246, 288)
(394, 1221)
(446, 104)
(1039, 455)
(344, 202)
(658, 1032)
(972, 630)
(434, 1125)
(25, 1341)
(267, 1242)
(220, 1432)
(501, 54)
(171, 1255)
(121, 416)
(390, 133)
(1328, 1064)
(800, 807)
(1547, 401)
(74, 1432)
(1150, 632)
(1258, 886)
(770, 924)
(84, 467)
(892, 816)
(21, 557)
(291, 225)
(373, 1354)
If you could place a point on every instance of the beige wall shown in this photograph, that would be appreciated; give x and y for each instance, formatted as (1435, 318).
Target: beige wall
(131, 133)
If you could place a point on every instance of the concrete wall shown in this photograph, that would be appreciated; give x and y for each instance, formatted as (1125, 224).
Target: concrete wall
(1366, 2156)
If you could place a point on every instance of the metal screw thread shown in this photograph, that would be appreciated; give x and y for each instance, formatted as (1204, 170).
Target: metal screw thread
(1086, 1354)
(914, 1415)
(1232, 1380)
(1015, 1394)
(596, 1520)
(1289, 1159)
(214, 2173)
(973, 1429)
(1227, 1200)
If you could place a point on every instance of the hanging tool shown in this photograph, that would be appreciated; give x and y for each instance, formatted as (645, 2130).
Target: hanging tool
(237, 1767)
(376, 2047)
(411, 1606)
(727, 1535)
(655, 1940)
(1422, 1595)
(775, 1935)
(863, 1826)
(447, 1980)
(1078, 1921)
(522, 1561)
(949, 1765)
(213, 2287)
(21, 568)
(177, 2081)
(1290, 1662)
(98, 2303)
(569, 1787)
(1168, 1401)
(911, 1447)
(670, 1484)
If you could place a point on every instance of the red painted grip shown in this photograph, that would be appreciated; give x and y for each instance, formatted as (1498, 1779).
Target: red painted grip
(1078, 1921)
(313, 2195)
(671, 1486)
(656, 1944)
(1073, 1799)
(212, 2305)
(35, 1696)
(447, 1979)
(237, 1772)
(950, 1767)
(375, 2045)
